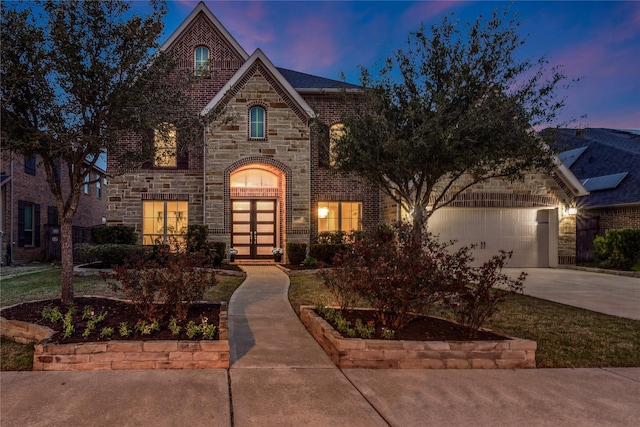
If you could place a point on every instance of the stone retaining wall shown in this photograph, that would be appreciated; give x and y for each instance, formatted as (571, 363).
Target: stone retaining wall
(105, 355)
(395, 354)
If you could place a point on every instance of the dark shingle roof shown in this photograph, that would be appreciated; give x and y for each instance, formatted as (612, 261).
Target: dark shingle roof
(307, 81)
(608, 152)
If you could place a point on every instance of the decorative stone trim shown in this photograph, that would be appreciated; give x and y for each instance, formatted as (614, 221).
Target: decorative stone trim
(120, 355)
(390, 354)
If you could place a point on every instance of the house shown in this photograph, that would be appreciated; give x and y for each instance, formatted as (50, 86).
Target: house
(607, 163)
(28, 215)
(262, 176)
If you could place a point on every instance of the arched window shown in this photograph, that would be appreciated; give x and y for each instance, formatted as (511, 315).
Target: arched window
(201, 63)
(256, 122)
(335, 133)
(254, 178)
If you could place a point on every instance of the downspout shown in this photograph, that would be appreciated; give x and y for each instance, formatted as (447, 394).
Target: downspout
(204, 174)
(11, 216)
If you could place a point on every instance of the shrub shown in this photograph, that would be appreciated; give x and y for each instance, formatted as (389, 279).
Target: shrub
(221, 251)
(196, 237)
(109, 254)
(119, 234)
(618, 248)
(401, 275)
(159, 290)
(296, 252)
(477, 302)
(325, 252)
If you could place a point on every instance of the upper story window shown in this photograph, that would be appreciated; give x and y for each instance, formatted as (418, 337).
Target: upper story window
(87, 178)
(165, 145)
(98, 186)
(256, 122)
(335, 132)
(30, 165)
(201, 62)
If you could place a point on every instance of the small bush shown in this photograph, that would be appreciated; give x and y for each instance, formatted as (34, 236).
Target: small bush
(325, 252)
(221, 251)
(109, 254)
(618, 248)
(119, 234)
(296, 252)
(159, 290)
(196, 237)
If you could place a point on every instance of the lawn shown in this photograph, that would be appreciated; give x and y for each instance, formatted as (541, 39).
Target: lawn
(567, 337)
(46, 285)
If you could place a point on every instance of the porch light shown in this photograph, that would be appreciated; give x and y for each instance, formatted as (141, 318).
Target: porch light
(323, 212)
(571, 211)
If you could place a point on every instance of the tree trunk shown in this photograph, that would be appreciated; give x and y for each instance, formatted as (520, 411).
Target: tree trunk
(419, 221)
(66, 245)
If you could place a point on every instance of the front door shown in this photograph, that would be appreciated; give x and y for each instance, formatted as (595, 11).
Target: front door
(253, 225)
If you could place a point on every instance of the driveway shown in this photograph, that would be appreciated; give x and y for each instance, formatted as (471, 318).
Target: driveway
(605, 293)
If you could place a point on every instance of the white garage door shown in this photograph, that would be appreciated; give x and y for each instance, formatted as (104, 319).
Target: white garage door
(523, 231)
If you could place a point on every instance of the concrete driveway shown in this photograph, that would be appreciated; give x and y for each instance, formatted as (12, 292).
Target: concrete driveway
(605, 293)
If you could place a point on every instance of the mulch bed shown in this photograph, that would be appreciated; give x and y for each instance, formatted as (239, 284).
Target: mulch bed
(422, 328)
(117, 312)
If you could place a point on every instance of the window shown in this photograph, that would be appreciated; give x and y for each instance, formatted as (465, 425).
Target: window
(98, 186)
(165, 145)
(201, 63)
(86, 183)
(256, 122)
(28, 224)
(164, 222)
(30, 165)
(339, 216)
(335, 133)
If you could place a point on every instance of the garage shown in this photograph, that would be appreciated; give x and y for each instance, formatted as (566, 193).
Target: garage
(532, 234)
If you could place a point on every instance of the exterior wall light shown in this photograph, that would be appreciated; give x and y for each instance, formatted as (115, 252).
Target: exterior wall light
(572, 210)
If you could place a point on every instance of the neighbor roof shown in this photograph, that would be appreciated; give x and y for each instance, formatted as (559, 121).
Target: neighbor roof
(606, 161)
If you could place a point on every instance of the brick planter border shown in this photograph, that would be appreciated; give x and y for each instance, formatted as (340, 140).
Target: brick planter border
(106, 355)
(394, 354)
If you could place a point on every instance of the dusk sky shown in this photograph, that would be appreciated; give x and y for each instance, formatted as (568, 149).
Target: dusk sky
(598, 42)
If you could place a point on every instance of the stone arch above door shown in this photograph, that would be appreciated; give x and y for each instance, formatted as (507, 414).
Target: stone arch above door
(283, 192)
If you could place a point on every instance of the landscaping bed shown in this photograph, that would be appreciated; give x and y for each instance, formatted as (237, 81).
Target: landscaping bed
(441, 346)
(142, 348)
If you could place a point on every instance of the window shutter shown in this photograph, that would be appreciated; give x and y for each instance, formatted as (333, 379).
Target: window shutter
(182, 153)
(148, 149)
(36, 225)
(21, 236)
(322, 144)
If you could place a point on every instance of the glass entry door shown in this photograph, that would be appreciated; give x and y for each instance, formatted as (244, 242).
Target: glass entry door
(253, 225)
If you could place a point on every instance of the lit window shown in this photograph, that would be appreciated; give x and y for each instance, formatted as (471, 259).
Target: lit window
(164, 222)
(254, 178)
(335, 133)
(164, 142)
(256, 122)
(339, 216)
(201, 61)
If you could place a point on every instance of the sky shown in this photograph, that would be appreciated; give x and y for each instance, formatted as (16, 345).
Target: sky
(595, 41)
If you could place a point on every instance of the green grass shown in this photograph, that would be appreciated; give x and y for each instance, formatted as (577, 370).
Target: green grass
(46, 285)
(567, 337)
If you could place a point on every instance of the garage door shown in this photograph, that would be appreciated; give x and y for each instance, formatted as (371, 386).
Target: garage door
(523, 231)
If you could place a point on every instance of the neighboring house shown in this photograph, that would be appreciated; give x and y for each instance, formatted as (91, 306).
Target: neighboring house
(28, 215)
(262, 176)
(607, 163)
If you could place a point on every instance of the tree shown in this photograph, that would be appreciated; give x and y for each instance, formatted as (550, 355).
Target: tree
(461, 112)
(76, 77)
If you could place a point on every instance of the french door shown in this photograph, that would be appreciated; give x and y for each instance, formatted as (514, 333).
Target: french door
(253, 227)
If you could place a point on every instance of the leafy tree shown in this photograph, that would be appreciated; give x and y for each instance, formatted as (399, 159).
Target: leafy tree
(76, 77)
(461, 112)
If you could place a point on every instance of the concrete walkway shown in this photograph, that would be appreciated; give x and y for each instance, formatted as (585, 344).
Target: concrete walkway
(281, 377)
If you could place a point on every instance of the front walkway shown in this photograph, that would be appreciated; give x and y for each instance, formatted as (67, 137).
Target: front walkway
(279, 375)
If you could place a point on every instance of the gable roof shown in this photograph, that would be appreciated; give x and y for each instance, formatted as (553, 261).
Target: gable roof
(202, 8)
(259, 57)
(609, 164)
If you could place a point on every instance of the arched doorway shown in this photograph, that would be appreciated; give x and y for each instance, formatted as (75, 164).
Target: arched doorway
(255, 191)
